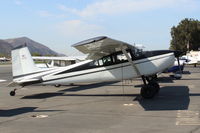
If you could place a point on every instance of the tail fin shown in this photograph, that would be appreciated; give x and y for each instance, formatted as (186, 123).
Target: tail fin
(22, 62)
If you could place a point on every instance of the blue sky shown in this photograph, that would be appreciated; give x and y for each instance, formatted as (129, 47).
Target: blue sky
(60, 23)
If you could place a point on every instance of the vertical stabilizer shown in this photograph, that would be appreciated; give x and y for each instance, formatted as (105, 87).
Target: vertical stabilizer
(22, 62)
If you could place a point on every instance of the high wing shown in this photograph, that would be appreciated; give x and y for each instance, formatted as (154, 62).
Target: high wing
(101, 46)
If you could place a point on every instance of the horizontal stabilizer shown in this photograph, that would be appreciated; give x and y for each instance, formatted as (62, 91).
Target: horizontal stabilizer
(28, 80)
(13, 84)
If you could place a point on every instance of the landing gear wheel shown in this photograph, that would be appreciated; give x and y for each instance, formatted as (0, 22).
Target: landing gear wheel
(12, 93)
(156, 86)
(177, 76)
(151, 89)
(148, 91)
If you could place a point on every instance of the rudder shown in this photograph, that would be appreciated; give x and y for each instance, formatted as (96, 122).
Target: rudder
(22, 62)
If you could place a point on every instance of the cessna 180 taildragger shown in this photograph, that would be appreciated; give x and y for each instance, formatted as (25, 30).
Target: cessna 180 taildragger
(107, 58)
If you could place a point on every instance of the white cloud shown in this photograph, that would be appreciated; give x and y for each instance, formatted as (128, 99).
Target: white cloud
(18, 2)
(110, 7)
(44, 13)
(66, 9)
(77, 28)
(62, 7)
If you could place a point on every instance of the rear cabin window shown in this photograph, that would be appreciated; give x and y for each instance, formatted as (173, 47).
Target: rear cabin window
(107, 60)
(115, 58)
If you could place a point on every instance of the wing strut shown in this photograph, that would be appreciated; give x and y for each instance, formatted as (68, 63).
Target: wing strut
(130, 61)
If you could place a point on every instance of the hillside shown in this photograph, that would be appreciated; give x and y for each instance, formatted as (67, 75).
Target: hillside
(33, 46)
(5, 48)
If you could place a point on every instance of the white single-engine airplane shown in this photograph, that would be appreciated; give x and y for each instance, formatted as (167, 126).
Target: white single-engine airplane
(108, 60)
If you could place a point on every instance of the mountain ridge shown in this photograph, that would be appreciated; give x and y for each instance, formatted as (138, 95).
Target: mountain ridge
(36, 48)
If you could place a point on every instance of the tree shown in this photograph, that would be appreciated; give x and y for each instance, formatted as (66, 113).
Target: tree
(186, 36)
(35, 54)
(2, 55)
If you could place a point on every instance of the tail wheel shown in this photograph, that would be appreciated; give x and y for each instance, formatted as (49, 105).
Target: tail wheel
(57, 85)
(12, 93)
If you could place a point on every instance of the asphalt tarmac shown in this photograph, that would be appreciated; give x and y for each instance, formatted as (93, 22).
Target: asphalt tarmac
(111, 107)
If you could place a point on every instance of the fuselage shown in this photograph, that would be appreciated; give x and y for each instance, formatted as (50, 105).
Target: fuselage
(114, 67)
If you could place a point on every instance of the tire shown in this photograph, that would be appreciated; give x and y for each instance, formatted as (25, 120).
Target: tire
(155, 85)
(177, 76)
(12, 93)
(148, 91)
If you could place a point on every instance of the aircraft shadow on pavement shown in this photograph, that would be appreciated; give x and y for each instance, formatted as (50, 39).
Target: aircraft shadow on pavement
(21, 110)
(88, 86)
(50, 95)
(16, 111)
(169, 98)
(165, 80)
(186, 72)
(43, 95)
(102, 95)
(72, 89)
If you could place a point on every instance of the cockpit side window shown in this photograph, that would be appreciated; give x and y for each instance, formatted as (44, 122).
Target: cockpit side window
(115, 58)
(121, 58)
(107, 61)
(95, 63)
(101, 62)
(138, 52)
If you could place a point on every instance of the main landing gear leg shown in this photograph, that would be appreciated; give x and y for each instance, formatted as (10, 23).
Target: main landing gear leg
(149, 90)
